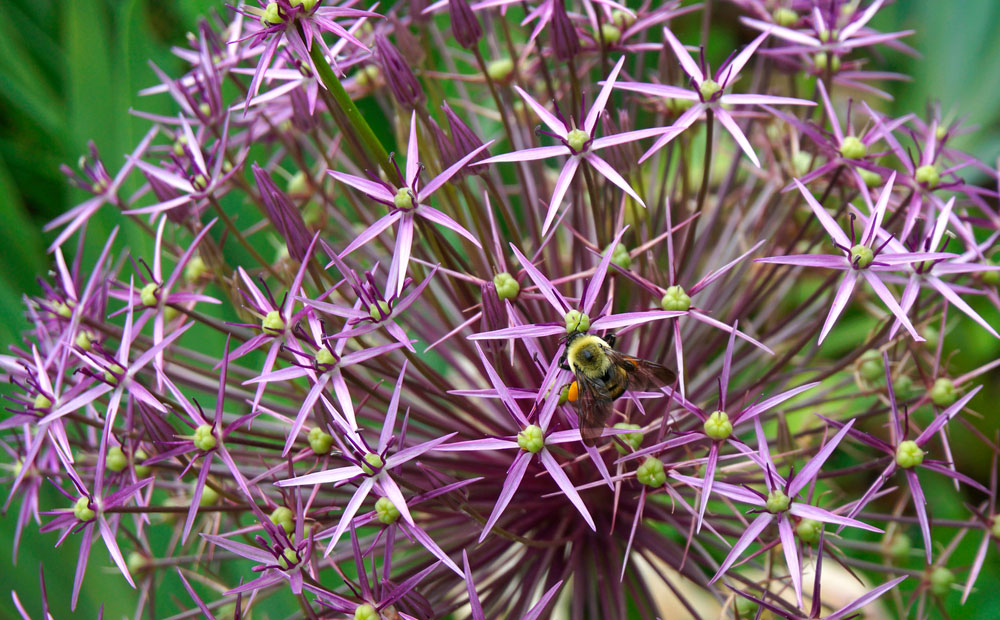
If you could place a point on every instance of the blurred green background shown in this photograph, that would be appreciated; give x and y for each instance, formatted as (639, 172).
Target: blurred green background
(70, 70)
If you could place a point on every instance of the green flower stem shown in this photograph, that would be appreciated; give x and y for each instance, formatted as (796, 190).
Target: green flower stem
(706, 175)
(356, 124)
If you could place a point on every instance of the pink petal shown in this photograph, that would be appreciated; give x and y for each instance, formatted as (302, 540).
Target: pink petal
(602, 98)
(887, 298)
(412, 155)
(510, 484)
(730, 124)
(567, 487)
(612, 175)
(839, 302)
(550, 120)
(687, 63)
(562, 186)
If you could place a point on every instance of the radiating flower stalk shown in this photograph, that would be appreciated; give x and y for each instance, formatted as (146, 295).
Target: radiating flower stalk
(350, 397)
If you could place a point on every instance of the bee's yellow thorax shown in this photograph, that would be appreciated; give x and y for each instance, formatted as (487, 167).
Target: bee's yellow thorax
(575, 356)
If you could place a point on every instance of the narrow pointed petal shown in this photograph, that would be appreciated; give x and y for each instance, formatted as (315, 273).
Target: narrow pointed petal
(589, 124)
(510, 484)
(687, 63)
(839, 302)
(567, 487)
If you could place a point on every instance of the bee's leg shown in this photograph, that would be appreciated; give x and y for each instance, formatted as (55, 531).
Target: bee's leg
(563, 364)
(611, 339)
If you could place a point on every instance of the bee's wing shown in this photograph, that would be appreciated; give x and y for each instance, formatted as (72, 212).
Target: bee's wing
(642, 374)
(593, 407)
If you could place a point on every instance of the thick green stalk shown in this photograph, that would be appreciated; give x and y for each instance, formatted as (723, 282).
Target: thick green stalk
(357, 123)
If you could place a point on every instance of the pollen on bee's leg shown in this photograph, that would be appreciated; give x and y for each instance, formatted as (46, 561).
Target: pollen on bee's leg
(574, 392)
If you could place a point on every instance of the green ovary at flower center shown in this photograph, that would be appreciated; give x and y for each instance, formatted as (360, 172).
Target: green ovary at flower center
(149, 294)
(82, 509)
(531, 439)
(675, 299)
(379, 310)
(808, 531)
(273, 323)
(909, 454)
(403, 199)
(995, 527)
(372, 463)
(609, 33)
(718, 426)
(708, 88)
(204, 438)
(632, 440)
(576, 321)
(861, 256)
(365, 612)
(777, 501)
(577, 140)
(928, 175)
(271, 14)
(507, 287)
(385, 511)
(305, 4)
(651, 473)
(42, 402)
(853, 148)
(324, 357)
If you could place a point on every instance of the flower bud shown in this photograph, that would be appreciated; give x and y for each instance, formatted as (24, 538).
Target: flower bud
(899, 547)
(464, 23)
(398, 75)
(464, 141)
(565, 40)
(209, 497)
(285, 216)
(786, 17)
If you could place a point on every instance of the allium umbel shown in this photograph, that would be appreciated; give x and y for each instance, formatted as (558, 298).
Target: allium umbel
(343, 382)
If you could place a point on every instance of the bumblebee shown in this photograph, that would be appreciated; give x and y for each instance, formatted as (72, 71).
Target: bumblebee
(602, 376)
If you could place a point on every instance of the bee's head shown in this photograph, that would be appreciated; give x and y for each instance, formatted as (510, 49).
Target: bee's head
(587, 353)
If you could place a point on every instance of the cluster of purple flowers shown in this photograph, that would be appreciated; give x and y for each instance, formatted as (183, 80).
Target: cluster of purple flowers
(384, 333)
